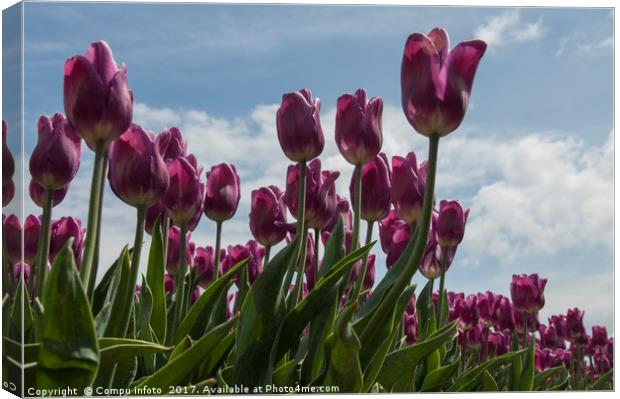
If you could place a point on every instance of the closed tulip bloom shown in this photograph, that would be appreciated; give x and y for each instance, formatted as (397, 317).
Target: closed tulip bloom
(358, 127)
(56, 157)
(157, 210)
(376, 177)
(407, 189)
(299, 126)
(449, 225)
(12, 237)
(387, 227)
(549, 336)
(343, 210)
(39, 195)
(168, 284)
(251, 251)
(268, 215)
(599, 337)
(171, 144)
(98, 103)
(137, 174)
(222, 192)
(498, 343)
(410, 325)
(486, 303)
(436, 82)
(20, 268)
(575, 329)
(8, 163)
(174, 250)
(369, 277)
(61, 231)
(467, 311)
(527, 292)
(559, 323)
(185, 194)
(503, 314)
(400, 239)
(432, 259)
(204, 259)
(32, 230)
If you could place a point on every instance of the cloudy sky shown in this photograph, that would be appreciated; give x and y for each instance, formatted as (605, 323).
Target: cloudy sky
(533, 158)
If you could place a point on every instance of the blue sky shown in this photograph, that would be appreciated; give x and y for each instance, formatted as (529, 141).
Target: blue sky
(533, 158)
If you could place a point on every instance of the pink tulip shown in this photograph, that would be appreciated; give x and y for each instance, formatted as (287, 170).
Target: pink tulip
(376, 177)
(61, 231)
(204, 259)
(449, 225)
(185, 195)
(268, 215)
(171, 144)
(222, 192)
(575, 329)
(299, 126)
(527, 292)
(436, 82)
(407, 189)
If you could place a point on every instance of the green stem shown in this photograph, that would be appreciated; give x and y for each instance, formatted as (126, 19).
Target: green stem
(442, 282)
(299, 241)
(385, 307)
(362, 274)
(180, 282)
(135, 265)
(315, 265)
(299, 282)
(94, 213)
(524, 315)
(43, 248)
(486, 343)
(218, 244)
(93, 275)
(267, 253)
(357, 206)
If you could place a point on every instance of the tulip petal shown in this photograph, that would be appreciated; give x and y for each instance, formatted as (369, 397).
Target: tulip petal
(100, 56)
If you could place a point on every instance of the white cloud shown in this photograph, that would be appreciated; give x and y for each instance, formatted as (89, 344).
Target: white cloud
(581, 44)
(508, 27)
(606, 44)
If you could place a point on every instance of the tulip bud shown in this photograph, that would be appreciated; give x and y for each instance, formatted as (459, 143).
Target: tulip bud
(98, 103)
(39, 194)
(174, 250)
(171, 144)
(343, 210)
(407, 189)
(358, 127)
(387, 227)
(410, 324)
(251, 251)
(32, 230)
(56, 158)
(527, 292)
(20, 268)
(467, 311)
(369, 277)
(400, 240)
(498, 343)
(185, 194)
(599, 337)
(157, 210)
(8, 163)
(204, 265)
(504, 319)
(137, 173)
(222, 192)
(549, 336)
(375, 189)
(431, 263)
(168, 284)
(486, 304)
(61, 231)
(268, 215)
(575, 329)
(436, 83)
(559, 323)
(12, 237)
(299, 126)
(450, 224)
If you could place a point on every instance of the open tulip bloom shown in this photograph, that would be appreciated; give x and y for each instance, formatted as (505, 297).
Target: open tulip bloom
(326, 309)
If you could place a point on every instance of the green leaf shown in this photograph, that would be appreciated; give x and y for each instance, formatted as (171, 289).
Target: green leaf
(488, 383)
(603, 383)
(438, 377)
(191, 324)
(178, 370)
(216, 357)
(399, 363)
(13, 349)
(155, 279)
(470, 379)
(281, 374)
(540, 379)
(445, 311)
(334, 249)
(100, 294)
(119, 305)
(262, 312)
(297, 319)
(69, 352)
(526, 381)
(112, 350)
(21, 308)
(343, 364)
(181, 347)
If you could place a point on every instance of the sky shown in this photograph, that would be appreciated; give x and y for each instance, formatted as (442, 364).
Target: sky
(533, 158)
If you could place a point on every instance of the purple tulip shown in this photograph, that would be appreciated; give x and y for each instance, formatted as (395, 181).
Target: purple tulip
(387, 227)
(268, 215)
(157, 210)
(343, 210)
(299, 126)
(39, 195)
(449, 225)
(171, 144)
(549, 337)
(56, 157)
(486, 304)
(575, 329)
(185, 195)
(599, 337)
(467, 311)
(407, 189)
(369, 277)
(12, 237)
(376, 178)
(503, 315)
(527, 292)
(436, 83)
(222, 192)
(203, 264)
(431, 263)
(62, 230)
(499, 343)
(137, 174)
(410, 324)
(532, 321)
(174, 250)
(168, 284)
(559, 323)
(251, 251)
(98, 103)
(20, 268)
(400, 239)
(32, 229)
(321, 200)
(8, 163)
(358, 127)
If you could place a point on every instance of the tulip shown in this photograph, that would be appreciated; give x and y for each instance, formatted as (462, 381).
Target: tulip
(407, 189)
(8, 163)
(498, 343)
(527, 292)
(235, 254)
(8, 192)
(575, 329)
(376, 177)
(204, 265)
(268, 215)
(559, 323)
(410, 323)
(39, 195)
(20, 268)
(12, 237)
(436, 82)
(449, 225)
(387, 227)
(431, 264)
(467, 311)
(400, 240)
(137, 174)
(62, 230)
(358, 127)
(56, 157)
(503, 314)
(369, 276)
(171, 144)
(599, 337)
(98, 102)
(174, 250)
(343, 210)
(157, 210)
(168, 284)
(299, 126)
(549, 336)
(222, 192)
(32, 232)
(486, 303)
(184, 197)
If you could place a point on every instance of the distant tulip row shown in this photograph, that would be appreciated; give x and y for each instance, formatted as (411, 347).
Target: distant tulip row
(306, 309)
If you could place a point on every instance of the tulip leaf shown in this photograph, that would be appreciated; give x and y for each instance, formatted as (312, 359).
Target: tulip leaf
(14, 348)
(183, 345)
(177, 371)
(399, 363)
(258, 329)
(113, 350)
(69, 352)
(119, 303)
(103, 315)
(100, 294)
(334, 249)
(21, 314)
(487, 382)
(603, 383)
(470, 379)
(540, 379)
(526, 381)
(343, 364)
(297, 319)
(440, 376)
(216, 357)
(191, 324)
(155, 279)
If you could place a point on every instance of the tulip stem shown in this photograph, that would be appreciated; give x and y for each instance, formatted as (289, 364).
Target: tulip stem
(524, 315)
(315, 263)
(442, 282)
(135, 265)
(180, 282)
(362, 274)
(357, 206)
(93, 275)
(302, 266)
(299, 232)
(43, 249)
(267, 253)
(94, 214)
(218, 244)
(384, 309)
(165, 226)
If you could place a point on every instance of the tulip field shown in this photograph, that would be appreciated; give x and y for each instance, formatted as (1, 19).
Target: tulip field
(299, 307)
